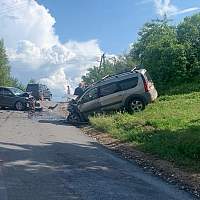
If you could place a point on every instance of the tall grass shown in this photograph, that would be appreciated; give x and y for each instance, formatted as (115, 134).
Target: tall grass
(169, 128)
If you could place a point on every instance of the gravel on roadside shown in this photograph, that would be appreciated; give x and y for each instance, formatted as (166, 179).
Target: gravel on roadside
(187, 181)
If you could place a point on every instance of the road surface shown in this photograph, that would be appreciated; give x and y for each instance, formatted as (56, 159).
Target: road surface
(48, 160)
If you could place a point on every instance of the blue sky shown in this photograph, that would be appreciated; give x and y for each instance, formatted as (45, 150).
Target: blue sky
(56, 41)
(114, 23)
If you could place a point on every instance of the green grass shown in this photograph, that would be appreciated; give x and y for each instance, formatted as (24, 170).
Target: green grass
(183, 88)
(169, 128)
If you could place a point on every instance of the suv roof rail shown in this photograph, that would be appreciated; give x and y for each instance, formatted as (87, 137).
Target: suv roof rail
(135, 68)
(117, 74)
(105, 77)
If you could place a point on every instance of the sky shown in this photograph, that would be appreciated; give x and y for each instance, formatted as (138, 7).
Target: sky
(114, 23)
(56, 41)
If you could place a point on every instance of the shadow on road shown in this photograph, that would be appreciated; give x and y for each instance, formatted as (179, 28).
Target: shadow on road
(58, 171)
(50, 171)
(55, 122)
(63, 122)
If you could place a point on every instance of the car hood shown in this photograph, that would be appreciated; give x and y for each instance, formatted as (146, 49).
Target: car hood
(25, 94)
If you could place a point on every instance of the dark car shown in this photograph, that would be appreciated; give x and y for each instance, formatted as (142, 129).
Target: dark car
(46, 93)
(36, 90)
(39, 91)
(11, 97)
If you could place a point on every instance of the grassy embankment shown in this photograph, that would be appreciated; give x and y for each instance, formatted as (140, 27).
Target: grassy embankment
(169, 128)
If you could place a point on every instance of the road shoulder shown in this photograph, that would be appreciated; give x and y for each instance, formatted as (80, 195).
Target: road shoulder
(187, 181)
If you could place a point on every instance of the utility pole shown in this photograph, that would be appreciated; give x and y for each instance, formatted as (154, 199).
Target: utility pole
(102, 62)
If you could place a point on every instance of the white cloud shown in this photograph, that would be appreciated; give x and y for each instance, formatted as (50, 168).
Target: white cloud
(186, 10)
(26, 20)
(34, 48)
(141, 2)
(57, 81)
(166, 7)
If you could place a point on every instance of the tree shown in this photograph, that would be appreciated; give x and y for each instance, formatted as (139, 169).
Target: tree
(92, 75)
(170, 53)
(32, 81)
(188, 34)
(5, 77)
(13, 82)
(109, 67)
(4, 65)
(159, 51)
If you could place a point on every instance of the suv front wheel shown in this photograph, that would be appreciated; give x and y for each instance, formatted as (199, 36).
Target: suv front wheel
(74, 118)
(135, 105)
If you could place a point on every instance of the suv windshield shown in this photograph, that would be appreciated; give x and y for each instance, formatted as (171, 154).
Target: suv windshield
(90, 95)
(16, 91)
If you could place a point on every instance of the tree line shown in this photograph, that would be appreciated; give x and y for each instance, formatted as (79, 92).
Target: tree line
(5, 75)
(171, 54)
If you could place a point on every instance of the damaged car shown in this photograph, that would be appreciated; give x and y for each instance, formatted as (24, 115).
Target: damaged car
(14, 98)
(131, 91)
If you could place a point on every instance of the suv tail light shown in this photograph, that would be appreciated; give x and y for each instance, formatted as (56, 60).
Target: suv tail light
(146, 85)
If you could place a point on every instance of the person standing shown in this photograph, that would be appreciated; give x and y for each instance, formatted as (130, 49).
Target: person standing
(79, 90)
(68, 90)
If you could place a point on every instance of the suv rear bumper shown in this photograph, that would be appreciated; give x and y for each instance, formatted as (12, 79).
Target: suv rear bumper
(150, 96)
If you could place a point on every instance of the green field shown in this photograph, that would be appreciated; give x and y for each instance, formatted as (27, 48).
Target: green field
(169, 128)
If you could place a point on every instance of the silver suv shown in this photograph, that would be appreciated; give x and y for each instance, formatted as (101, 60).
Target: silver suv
(131, 91)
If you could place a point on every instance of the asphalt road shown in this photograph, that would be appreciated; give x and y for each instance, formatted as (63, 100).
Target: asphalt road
(47, 160)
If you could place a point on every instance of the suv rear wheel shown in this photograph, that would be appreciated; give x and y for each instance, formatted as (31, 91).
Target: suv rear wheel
(135, 105)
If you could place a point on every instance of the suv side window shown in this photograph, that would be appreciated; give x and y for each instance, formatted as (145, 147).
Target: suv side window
(90, 95)
(109, 89)
(128, 83)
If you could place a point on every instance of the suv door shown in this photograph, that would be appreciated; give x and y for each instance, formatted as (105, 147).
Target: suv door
(8, 98)
(89, 102)
(110, 96)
